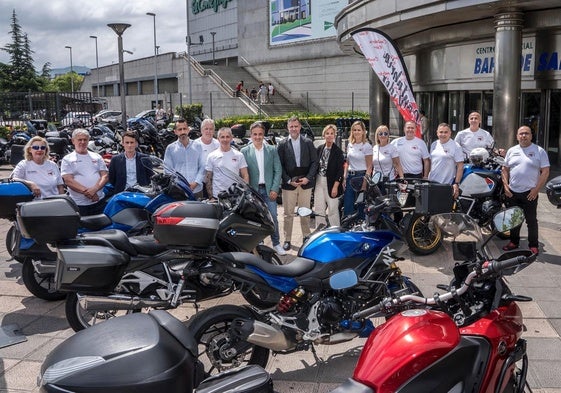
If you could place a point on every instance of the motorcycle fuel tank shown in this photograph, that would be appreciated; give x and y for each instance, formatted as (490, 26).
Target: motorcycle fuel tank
(405, 345)
(478, 183)
(345, 244)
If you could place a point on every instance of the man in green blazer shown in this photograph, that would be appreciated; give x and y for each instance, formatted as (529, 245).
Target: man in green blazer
(264, 167)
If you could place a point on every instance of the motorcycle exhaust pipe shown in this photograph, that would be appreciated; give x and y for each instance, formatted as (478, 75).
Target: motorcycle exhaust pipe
(118, 302)
(259, 333)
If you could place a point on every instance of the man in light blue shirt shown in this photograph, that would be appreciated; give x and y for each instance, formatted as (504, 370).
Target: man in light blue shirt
(185, 157)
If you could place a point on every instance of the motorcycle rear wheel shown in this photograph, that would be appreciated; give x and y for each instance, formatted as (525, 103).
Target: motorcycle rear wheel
(80, 319)
(421, 236)
(210, 330)
(262, 298)
(40, 285)
(11, 240)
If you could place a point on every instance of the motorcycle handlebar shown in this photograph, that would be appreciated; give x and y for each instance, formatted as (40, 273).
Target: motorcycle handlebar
(489, 268)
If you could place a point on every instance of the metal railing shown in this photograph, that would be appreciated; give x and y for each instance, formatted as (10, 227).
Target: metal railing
(225, 87)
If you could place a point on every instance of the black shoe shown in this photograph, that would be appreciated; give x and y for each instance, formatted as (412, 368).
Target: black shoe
(286, 246)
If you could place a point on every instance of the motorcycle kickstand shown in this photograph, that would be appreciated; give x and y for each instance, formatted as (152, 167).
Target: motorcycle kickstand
(316, 357)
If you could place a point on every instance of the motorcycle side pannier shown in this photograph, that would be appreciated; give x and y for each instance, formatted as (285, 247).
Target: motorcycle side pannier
(89, 267)
(49, 220)
(187, 224)
(12, 193)
(433, 198)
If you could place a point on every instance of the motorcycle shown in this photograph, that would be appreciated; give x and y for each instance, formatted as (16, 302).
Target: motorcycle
(482, 192)
(128, 211)
(553, 191)
(315, 298)
(119, 356)
(107, 273)
(416, 200)
(465, 340)
(148, 138)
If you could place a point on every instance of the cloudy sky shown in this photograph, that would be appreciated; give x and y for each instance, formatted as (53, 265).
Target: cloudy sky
(53, 24)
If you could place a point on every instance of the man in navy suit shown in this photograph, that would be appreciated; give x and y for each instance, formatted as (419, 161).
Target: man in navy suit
(299, 162)
(128, 169)
(264, 168)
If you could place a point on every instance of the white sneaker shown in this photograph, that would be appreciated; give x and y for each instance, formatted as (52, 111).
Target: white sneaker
(278, 248)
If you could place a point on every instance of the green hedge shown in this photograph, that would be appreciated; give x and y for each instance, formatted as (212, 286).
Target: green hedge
(313, 119)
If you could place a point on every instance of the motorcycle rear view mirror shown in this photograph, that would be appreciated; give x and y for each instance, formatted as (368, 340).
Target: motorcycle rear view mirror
(343, 279)
(508, 219)
(304, 211)
(376, 177)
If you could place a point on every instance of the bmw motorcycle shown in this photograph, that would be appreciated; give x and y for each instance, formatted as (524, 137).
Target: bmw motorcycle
(468, 339)
(336, 274)
(482, 192)
(108, 273)
(129, 211)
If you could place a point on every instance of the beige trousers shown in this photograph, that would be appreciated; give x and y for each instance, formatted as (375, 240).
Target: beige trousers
(290, 199)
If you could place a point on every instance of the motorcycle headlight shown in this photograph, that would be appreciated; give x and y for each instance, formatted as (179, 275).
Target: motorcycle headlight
(68, 367)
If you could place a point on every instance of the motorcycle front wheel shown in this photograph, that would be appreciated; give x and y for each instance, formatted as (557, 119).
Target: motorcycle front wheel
(79, 318)
(263, 298)
(41, 285)
(210, 328)
(422, 237)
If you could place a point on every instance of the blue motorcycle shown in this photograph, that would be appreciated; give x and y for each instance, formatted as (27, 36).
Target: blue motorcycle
(128, 211)
(316, 296)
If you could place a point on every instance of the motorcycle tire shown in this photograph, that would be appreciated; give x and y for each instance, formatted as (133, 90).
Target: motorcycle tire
(80, 319)
(210, 330)
(422, 237)
(40, 285)
(262, 298)
(11, 240)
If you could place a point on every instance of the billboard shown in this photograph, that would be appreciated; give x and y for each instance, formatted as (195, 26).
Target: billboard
(302, 20)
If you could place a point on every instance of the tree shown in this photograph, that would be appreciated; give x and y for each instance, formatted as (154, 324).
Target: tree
(64, 82)
(19, 74)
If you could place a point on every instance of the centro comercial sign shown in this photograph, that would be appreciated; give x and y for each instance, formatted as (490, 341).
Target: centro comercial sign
(203, 5)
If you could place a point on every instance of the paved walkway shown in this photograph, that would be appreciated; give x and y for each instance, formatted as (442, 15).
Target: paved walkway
(44, 324)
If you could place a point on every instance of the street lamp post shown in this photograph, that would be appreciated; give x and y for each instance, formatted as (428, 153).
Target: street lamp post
(96, 64)
(119, 29)
(213, 33)
(71, 69)
(155, 62)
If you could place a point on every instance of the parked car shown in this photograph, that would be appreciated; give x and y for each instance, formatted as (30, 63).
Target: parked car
(107, 116)
(75, 118)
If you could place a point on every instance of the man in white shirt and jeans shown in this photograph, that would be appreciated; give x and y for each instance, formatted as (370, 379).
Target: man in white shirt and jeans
(413, 153)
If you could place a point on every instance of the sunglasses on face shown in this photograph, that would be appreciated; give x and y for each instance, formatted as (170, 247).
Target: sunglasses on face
(39, 147)
(383, 133)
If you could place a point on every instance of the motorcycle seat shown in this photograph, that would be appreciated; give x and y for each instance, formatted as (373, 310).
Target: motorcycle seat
(95, 222)
(117, 238)
(295, 268)
(146, 245)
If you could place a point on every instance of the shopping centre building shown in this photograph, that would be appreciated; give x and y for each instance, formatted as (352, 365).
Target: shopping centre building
(498, 57)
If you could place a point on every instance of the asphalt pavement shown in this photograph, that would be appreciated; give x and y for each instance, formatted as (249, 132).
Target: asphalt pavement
(41, 325)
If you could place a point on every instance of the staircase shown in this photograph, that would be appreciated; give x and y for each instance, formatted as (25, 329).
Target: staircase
(232, 74)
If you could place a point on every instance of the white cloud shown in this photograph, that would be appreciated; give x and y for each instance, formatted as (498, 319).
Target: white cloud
(53, 24)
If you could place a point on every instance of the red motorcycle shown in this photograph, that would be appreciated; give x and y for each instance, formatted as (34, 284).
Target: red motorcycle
(465, 340)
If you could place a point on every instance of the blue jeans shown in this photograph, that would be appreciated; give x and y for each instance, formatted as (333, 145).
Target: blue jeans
(350, 195)
(272, 205)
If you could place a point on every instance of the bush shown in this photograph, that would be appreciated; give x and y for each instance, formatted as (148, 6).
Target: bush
(4, 132)
(189, 112)
(316, 120)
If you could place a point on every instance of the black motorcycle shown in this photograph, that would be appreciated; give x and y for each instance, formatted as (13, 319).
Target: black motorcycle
(107, 273)
(406, 209)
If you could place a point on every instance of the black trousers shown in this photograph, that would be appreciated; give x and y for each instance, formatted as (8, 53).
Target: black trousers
(530, 214)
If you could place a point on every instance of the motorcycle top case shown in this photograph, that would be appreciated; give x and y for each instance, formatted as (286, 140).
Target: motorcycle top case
(190, 224)
(134, 353)
(49, 220)
(89, 268)
(12, 193)
(433, 198)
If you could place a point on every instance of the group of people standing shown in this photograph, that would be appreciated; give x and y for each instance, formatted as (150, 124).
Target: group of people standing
(296, 166)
